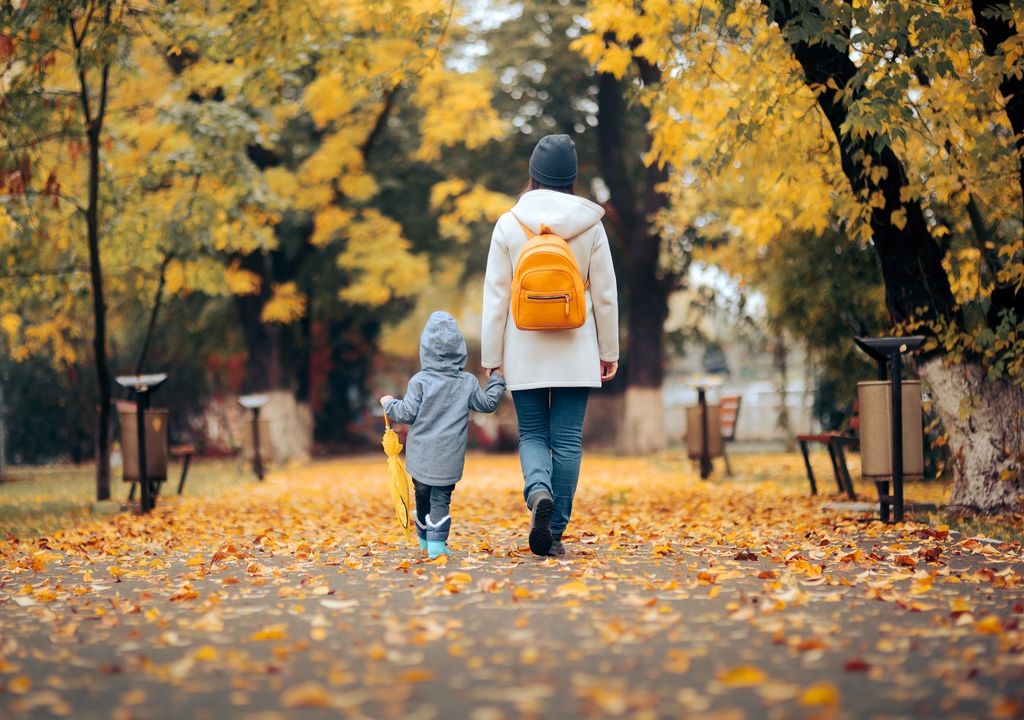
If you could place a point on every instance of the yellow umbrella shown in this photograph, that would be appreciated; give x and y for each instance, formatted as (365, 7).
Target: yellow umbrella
(398, 477)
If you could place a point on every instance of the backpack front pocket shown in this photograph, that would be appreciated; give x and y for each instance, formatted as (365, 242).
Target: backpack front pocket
(552, 298)
(548, 300)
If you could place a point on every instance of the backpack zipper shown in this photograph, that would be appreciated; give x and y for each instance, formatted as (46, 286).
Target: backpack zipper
(550, 298)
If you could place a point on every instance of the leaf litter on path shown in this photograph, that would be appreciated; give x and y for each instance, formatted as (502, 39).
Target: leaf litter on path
(678, 598)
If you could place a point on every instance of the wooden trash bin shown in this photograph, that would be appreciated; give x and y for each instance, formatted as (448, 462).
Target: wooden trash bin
(695, 432)
(156, 442)
(875, 400)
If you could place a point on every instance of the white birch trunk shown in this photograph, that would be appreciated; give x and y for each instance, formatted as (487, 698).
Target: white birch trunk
(985, 422)
(291, 427)
(642, 431)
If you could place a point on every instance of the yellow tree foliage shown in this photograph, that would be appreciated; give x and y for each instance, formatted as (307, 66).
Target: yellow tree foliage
(189, 103)
(461, 206)
(754, 162)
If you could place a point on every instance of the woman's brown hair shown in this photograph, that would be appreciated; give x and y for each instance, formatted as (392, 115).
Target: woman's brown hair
(536, 185)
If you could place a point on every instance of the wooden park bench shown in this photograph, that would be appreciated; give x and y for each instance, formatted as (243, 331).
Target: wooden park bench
(183, 453)
(834, 442)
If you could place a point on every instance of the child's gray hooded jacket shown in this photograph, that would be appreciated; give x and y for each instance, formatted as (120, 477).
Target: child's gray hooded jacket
(438, 402)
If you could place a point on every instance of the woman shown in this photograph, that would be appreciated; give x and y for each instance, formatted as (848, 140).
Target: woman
(550, 373)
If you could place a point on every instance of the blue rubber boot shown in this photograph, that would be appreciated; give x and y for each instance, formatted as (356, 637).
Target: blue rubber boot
(436, 548)
(437, 536)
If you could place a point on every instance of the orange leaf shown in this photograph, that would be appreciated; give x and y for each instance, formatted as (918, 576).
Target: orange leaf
(306, 695)
(989, 625)
(742, 676)
(820, 694)
(416, 675)
(270, 632)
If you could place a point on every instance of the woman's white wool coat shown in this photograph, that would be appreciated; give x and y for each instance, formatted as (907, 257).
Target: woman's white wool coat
(564, 358)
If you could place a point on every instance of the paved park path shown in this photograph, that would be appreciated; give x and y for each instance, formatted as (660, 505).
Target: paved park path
(297, 599)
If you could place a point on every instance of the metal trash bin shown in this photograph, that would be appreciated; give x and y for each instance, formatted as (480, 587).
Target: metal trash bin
(156, 442)
(695, 432)
(875, 398)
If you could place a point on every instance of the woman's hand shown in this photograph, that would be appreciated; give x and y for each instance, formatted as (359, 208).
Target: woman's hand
(608, 370)
(384, 400)
(491, 371)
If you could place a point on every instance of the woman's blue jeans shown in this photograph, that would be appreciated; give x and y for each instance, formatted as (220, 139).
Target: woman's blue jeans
(551, 445)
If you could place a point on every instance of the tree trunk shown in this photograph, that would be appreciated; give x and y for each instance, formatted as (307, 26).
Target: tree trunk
(99, 312)
(780, 354)
(987, 443)
(643, 425)
(262, 371)
(94, 129)
(304, 351)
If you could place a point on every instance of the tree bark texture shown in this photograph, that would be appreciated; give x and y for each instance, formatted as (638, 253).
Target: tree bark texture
(985, 422)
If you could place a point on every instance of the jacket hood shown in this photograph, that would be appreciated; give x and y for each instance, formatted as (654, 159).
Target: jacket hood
(566, 215)
(442, 347)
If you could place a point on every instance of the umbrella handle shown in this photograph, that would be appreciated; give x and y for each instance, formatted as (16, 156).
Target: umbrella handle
(387, 424)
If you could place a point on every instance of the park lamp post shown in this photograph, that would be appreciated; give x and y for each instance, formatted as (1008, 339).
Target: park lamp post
(887, 353)
(142, 386)
(255, 403)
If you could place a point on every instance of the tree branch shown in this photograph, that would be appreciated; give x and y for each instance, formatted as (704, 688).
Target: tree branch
(105, 77)
(378, 127)
(156, 310)
(83, 84)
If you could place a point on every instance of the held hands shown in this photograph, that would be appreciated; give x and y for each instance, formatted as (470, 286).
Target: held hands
(384, 400)
(608, 370)
(492, 371)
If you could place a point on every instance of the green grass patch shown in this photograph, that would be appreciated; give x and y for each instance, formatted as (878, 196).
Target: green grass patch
(38, 500)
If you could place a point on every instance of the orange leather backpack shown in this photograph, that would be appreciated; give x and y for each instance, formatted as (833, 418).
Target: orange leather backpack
(548, 289)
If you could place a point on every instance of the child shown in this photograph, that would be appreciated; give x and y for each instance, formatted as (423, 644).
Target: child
(437, 405)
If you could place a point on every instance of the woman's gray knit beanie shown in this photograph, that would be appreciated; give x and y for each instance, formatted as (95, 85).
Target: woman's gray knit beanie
(553, 161)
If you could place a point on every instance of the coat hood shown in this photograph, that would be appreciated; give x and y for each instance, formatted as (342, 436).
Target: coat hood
(442, 347)
(566, 215)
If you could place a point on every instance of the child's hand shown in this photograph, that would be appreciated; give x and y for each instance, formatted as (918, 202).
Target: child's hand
(384, 400)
